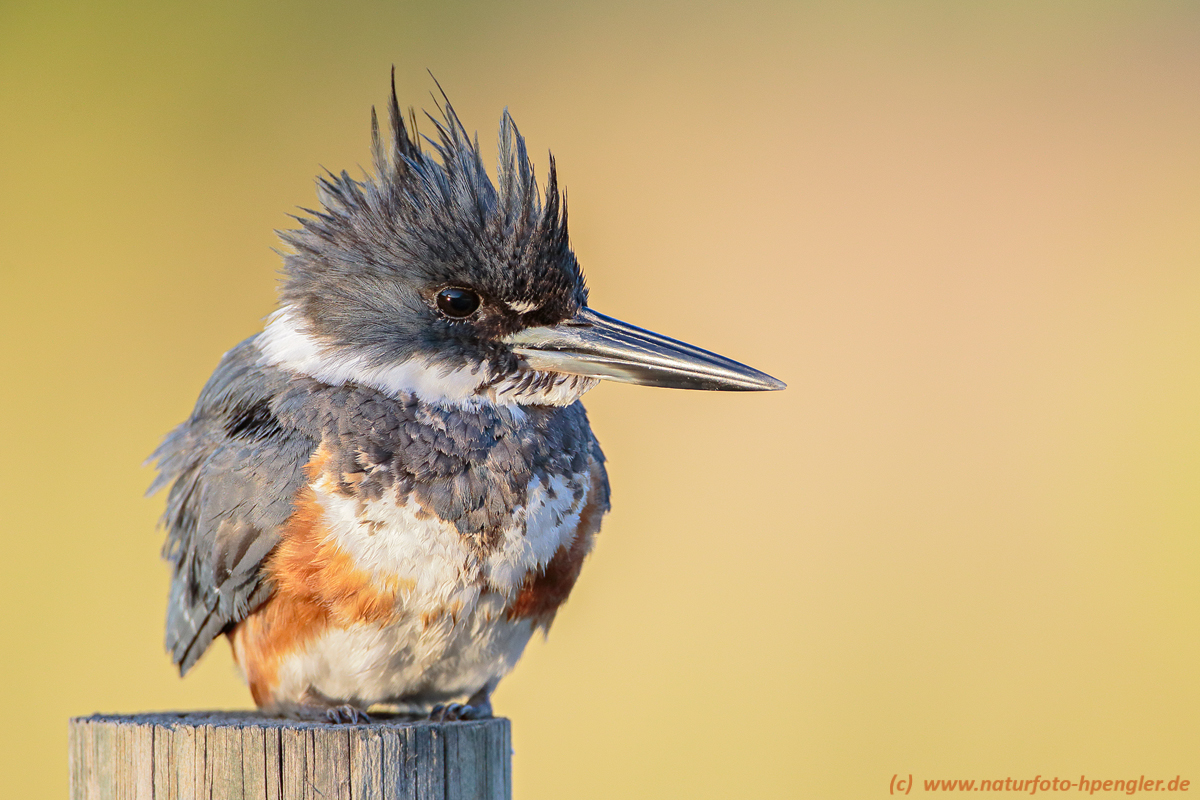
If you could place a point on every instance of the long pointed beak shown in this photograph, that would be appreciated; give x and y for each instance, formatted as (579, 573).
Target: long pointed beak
(597, 346)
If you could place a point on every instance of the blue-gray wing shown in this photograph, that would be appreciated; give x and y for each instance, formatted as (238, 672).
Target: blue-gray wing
(234, 471)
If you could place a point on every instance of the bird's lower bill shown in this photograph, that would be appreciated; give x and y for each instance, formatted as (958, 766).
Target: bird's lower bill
(596, 346)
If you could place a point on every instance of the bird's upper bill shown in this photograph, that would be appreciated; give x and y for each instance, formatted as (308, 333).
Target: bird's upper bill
(597, 346)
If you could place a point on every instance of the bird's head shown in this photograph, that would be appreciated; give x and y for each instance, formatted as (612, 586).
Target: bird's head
(426, 278)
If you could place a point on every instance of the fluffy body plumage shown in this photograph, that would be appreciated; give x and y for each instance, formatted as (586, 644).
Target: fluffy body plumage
(376, 503)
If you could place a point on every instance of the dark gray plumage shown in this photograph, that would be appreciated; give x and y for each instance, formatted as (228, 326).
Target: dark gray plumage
(471, 467)
(233, 472)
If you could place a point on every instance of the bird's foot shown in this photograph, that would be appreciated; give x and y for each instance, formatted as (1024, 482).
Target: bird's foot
(346, 714)
(478, 706)
(321, 712)
(452, 712)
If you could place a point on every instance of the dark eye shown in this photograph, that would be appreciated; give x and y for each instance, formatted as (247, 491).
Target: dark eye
(457, 303)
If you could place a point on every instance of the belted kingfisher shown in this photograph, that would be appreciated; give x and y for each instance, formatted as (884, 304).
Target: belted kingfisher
(381, 496)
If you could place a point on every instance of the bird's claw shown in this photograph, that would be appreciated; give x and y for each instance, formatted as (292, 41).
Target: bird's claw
(452, 712)
(346, 714)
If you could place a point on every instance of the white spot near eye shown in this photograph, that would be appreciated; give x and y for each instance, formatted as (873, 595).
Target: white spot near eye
(522, 306)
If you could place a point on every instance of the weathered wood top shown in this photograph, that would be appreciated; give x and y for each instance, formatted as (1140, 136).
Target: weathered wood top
(244, 755)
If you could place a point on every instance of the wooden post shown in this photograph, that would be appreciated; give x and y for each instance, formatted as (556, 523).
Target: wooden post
(244, 755)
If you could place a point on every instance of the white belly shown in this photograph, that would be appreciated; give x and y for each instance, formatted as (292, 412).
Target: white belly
(449, 634)
(409, 662)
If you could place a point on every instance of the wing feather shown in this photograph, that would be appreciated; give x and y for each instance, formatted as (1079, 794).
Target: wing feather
(233, 471)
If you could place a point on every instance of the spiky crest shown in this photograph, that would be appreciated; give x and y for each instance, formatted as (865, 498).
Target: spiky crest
(414, 196)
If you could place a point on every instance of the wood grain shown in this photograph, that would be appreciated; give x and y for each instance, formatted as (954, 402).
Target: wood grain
(244, 755)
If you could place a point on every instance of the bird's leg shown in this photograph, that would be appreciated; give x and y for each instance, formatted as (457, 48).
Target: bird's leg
(478, 706)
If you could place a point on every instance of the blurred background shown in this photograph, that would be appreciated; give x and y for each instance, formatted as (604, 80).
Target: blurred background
(962, 544)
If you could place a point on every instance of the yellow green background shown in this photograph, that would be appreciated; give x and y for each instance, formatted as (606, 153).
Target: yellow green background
(963, 543)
